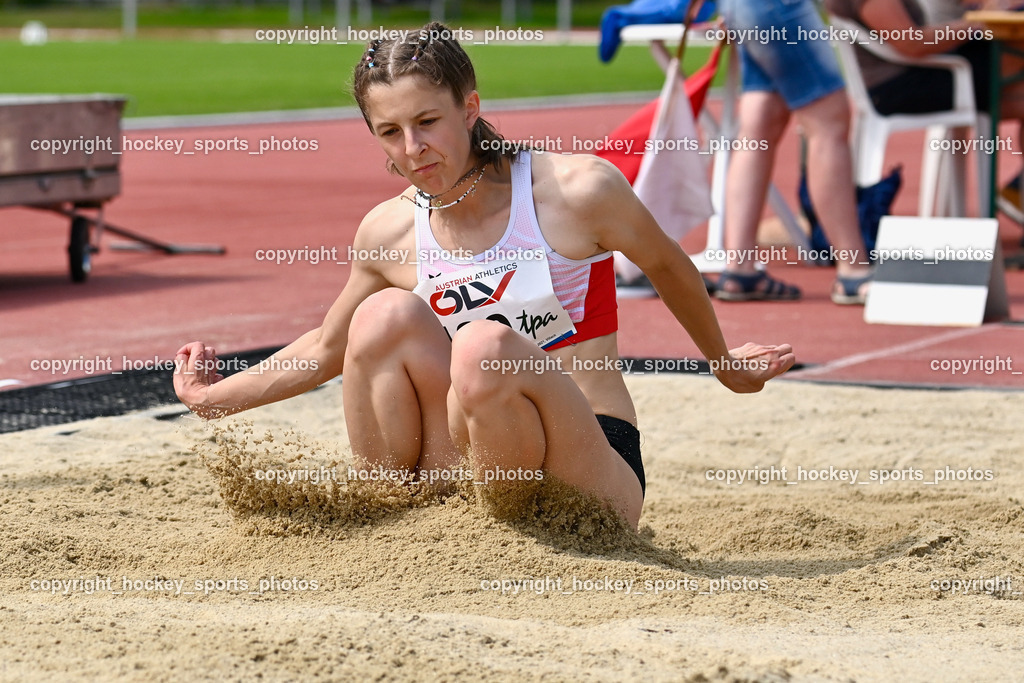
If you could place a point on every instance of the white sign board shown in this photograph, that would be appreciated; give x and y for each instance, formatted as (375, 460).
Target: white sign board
(937, 271)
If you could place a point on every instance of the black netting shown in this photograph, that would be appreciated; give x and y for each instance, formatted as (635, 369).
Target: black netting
(107, 395)
(98, 396)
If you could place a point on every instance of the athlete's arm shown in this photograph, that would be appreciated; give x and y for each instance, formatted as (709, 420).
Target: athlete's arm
(608, 207)
(307, 362)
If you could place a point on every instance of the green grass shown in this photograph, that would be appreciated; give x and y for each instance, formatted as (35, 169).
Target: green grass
(474, 13)
(181, 77)
(149, 17)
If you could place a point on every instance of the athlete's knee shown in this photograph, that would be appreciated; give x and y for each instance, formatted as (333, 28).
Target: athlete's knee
(384, 319)
(480, 351)
(483, 340)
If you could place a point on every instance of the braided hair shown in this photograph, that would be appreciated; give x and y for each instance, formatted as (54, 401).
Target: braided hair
(437, 57)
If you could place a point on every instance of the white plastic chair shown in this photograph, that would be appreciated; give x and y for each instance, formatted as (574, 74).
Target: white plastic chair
(871, 130)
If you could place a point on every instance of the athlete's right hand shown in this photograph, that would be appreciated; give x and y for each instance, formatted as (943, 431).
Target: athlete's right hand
(195, 369)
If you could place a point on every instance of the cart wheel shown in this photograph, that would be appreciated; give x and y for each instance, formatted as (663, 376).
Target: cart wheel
(79, 251)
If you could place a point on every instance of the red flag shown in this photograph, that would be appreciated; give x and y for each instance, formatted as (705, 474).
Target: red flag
(637, 127)
(672, 183)
(673, 179)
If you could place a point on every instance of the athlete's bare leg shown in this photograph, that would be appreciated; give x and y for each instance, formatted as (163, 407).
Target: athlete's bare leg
(531, 421)
(395, 384)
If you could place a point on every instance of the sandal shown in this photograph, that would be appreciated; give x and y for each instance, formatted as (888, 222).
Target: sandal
(755, 287)
(846, 291)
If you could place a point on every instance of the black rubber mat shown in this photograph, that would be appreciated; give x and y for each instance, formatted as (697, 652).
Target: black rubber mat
(99, 396)
(116, 394)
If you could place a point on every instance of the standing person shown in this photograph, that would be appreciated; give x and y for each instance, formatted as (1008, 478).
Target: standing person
(783, 77)
(512, 270)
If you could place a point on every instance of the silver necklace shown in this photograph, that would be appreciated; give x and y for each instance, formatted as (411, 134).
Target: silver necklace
(430, 202)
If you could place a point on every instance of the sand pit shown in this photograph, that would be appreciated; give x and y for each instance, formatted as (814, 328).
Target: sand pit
(124, 556)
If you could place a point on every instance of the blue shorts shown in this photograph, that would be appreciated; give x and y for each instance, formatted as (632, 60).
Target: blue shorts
(785, 49)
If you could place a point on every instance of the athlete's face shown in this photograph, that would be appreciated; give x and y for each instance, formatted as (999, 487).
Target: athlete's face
(423, 130)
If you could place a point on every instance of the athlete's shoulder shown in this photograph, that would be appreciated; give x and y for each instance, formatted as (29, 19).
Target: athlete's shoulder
(583, 181)
(585, 170)
(387, 223)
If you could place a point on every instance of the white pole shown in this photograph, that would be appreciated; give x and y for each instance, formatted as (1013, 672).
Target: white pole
(437, 10)
(508, 12)
(565, 17)
(342, 15)
(129, 17)
(364, 12)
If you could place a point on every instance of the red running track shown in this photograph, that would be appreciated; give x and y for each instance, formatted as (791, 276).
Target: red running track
(143, 306)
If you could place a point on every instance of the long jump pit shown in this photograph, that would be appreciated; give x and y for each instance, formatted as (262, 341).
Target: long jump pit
(816, 533)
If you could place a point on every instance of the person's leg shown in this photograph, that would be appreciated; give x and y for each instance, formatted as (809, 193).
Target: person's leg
(763, 116)
(826, 125)
(531, 421)
(395, 385)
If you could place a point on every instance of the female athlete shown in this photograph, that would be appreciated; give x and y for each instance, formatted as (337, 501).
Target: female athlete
(497, 343)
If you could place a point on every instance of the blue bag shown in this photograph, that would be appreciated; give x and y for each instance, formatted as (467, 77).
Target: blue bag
(873, 202)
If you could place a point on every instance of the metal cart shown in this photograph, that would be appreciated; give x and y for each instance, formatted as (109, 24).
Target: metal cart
(61, 153)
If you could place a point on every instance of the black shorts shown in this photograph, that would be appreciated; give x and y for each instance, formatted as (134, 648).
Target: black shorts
(921, 89)
(625, 439)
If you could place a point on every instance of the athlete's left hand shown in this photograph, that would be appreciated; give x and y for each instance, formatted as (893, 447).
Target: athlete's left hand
(751, 365)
